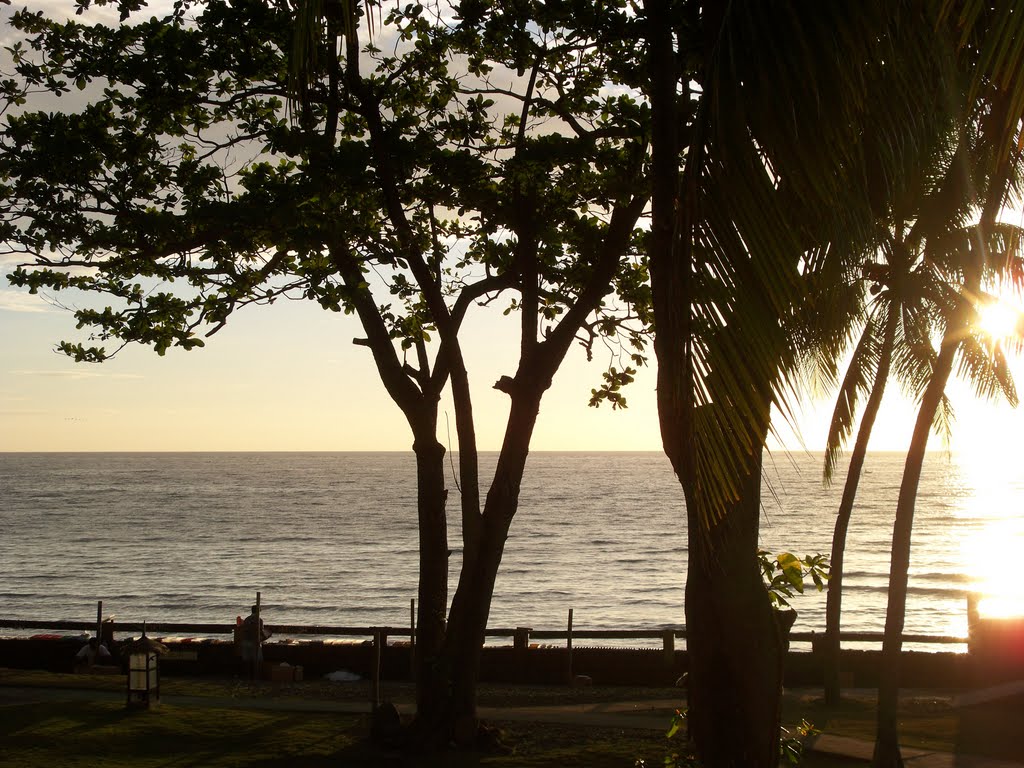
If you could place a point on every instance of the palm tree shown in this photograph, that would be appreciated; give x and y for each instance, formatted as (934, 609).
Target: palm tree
(988, 370)
(873, 352)
(989, 168)
(747, 218)
(980, 247)
(778, 117)
(908, 295)
(900, 320)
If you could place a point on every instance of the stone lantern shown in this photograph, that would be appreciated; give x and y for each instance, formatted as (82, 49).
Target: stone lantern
(143, 671)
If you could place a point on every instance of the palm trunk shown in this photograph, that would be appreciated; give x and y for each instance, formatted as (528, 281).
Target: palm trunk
(887, 748)
(834, 597)
(735, 641)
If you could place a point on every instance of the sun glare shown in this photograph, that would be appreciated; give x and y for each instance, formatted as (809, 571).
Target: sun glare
(999, 320)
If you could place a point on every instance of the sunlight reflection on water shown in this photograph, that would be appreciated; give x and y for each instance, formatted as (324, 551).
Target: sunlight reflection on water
(993, 481)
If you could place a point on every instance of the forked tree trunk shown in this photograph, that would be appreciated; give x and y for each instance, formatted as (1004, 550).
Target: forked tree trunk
(448, 712)
(834, 596)
(468, 621)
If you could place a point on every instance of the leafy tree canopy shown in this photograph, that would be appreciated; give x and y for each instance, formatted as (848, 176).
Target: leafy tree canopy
(443, 162)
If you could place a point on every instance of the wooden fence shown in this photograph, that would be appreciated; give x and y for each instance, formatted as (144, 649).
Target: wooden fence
(520, 636)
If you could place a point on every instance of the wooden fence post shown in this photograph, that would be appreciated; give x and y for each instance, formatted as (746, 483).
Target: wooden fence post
(412, 639)
(668, 639)
(520, 644)
(568, 648)
(375, 676)
(521, 638)
(99, 621)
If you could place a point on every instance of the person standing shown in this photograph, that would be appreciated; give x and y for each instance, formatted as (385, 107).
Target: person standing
(251, 634)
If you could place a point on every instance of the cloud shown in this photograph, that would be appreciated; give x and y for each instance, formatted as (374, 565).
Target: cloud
(12, 301)
(76, 373)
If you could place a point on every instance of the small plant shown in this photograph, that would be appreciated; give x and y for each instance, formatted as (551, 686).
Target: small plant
(791, 746)
(785, 574)
(672, 759)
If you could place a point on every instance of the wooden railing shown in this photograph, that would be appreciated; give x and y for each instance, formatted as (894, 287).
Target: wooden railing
(519, 635)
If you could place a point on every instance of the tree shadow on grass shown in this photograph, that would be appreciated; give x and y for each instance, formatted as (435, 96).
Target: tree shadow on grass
(106, 734)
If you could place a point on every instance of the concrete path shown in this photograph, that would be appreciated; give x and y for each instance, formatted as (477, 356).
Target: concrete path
(643, 715)
(915, 758)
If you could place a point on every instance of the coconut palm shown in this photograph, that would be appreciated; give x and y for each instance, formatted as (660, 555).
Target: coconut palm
(986, 367)
(971, 253)
(908, 297)
(907, 302)
(779, 117)
(755, 224)
(988, 170)
(884, 325)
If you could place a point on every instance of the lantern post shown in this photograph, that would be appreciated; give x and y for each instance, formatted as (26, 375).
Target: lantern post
(143, 671)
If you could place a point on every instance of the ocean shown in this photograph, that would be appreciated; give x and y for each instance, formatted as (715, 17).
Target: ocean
(330, 538)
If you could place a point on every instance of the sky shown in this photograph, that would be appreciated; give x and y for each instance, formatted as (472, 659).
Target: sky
(288, 378)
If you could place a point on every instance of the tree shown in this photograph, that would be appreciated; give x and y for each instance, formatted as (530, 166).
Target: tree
(911, 295)
(478, 159)
(962, 337)
(987, 167)
(774, 141)
(908, 298)
(874, 351)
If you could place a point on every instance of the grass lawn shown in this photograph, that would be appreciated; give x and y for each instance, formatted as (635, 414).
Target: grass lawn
(105, 735)
(102, 734)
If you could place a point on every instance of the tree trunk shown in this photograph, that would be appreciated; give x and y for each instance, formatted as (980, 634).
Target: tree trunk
(433, 570)
(446, 695)
(471, 605)
(834, 596)
(468, 619)
(735, 642)
(887, 747)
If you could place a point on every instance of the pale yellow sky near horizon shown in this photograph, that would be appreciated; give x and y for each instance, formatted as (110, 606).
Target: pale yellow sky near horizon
(288, 378)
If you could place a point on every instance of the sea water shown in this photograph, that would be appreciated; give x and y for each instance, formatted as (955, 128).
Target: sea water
(331, 538)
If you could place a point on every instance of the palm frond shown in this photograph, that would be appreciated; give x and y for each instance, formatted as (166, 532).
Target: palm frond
(856, 383)
(943, 422)
(991, 37)
(984, 365)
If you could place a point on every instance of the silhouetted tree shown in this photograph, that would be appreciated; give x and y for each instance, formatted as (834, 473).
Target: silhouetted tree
(776, 144)
(472, 161)
(914, 286)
